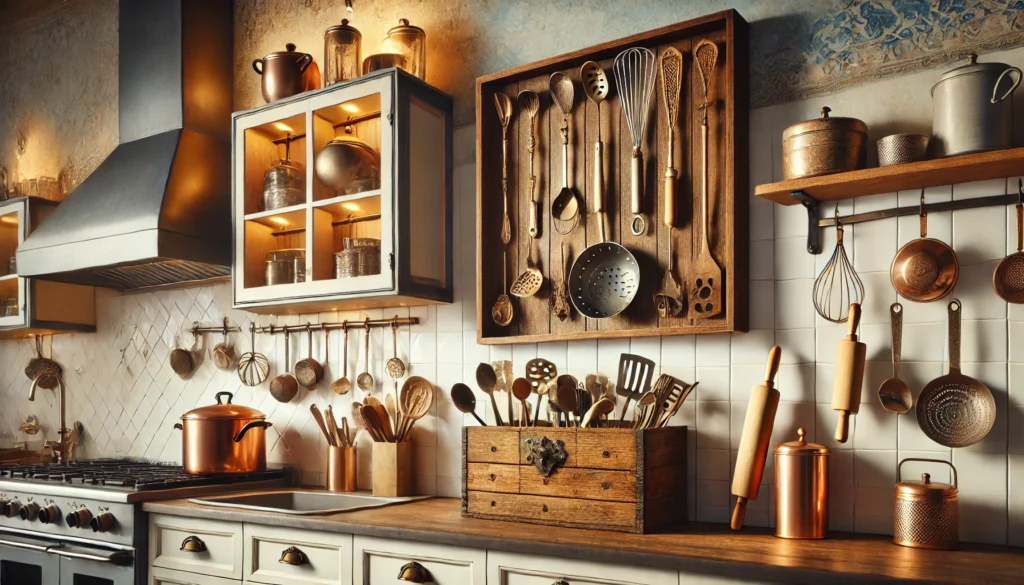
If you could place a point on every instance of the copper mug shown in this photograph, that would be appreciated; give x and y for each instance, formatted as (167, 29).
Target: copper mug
(341, 469)
(801, 489)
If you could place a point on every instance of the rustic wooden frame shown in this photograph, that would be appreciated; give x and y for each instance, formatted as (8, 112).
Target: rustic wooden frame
(728, 200)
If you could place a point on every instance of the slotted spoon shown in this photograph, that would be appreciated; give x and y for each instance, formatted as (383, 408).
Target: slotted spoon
(530, 280)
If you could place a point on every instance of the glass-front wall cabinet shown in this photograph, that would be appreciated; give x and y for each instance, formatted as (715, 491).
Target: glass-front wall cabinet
(343, 198)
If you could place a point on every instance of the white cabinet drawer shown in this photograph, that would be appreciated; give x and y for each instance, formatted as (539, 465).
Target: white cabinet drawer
(158, 576)
(378, 562)
(514, 569)
(219, 545)
(318, 558)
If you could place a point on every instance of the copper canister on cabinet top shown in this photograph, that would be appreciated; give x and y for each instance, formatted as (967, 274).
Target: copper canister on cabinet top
(801, 489)
(926, 513)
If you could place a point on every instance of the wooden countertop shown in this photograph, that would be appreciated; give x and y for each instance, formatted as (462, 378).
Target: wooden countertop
(710, 549)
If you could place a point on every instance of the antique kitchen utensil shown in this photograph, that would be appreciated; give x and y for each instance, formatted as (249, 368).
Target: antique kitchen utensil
(673, 400)
(894, 393)
(486, 379)
(706, 284)
(925, 269)
(48, 372)
(602, 407)
(503, 104)
(284, 387)
(559, 301)
(308, 371)
(223, 354)
(521, 390)
(669, 299)
(342, 385)
(184, 362)
(898, 149)
(603, 280)
(283, 73)
(926, 514)
(565, 208)
(502, 311)
(417, 398)
(253, 367)
(838, 285)
(540, 372)
(565, 397)
(756, 438)
(393, 414)
(332, 425)
(530, 280)
(801, 489)
(824, 146)
(849, 375)
(223, 438)
(1008, 279)
(374, 424)
(395, 367)
(636, 71)
(319, 418)
(529, 103)
(365, 380)
(972, 108)
(465, 401)
(955, 410)
(383, 420)
(504, 376)
(596, 86)
(646, 410)
(635, 373)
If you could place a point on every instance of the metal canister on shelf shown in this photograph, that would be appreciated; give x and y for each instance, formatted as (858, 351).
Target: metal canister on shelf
(801, 490)
(359, 257)
(824, 146)
(346, 264)
(926, 513)
(286, 266)
(342, 53)
(284, 183)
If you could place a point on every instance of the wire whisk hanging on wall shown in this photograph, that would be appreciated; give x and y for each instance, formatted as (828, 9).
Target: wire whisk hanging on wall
(838, 285)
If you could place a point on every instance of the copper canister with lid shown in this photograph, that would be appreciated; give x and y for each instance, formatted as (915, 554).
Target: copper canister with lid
(926, 513)
(824, 146)
(801, 489)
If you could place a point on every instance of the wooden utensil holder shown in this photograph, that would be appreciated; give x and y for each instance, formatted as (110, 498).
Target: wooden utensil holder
(341, 469)
(621, 480)
(659, 247)
(393, 469)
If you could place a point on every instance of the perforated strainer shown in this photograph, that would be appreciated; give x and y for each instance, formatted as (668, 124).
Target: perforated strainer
(1008, 279)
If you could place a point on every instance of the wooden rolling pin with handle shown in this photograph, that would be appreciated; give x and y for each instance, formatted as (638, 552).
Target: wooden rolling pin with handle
(849, 375)
(754, 443)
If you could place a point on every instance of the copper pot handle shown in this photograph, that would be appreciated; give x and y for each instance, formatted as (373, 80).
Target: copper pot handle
(899, 468)
(228, 394)
(306, 60)
(293, 556)
(250, 425)
(257, 66)
(179, 427)
(193, 544)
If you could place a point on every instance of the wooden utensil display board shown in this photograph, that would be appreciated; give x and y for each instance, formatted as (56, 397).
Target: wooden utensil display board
(623, 480)
(728, 198)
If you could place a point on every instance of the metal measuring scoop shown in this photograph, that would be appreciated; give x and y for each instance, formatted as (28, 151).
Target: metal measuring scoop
(894, 393)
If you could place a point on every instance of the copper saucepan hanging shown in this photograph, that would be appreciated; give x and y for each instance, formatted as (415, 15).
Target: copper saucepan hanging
(1008, 279)
(925, 269)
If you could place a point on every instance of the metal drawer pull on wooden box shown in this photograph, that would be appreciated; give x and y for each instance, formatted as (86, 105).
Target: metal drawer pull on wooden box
(193, 544)
(926, 513)
(293, 556)
(414, 573)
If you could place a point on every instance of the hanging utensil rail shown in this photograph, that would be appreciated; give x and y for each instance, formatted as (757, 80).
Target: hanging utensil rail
(396, 321)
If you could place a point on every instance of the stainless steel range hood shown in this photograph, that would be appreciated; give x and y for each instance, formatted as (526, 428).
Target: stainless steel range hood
(157, 211)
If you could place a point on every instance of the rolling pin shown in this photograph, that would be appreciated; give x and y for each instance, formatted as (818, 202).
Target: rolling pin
(849, 375)
(757, 434)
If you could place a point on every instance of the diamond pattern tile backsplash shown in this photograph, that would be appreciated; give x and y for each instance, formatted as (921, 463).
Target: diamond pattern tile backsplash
(121, 386)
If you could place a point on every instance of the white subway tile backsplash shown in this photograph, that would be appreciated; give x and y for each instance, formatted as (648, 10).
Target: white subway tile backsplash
(794, 308)
(973, 237)
(1015, 503)
(762, 304)
(791, 258)
(752, 347)
(714, 383)
(714, 350)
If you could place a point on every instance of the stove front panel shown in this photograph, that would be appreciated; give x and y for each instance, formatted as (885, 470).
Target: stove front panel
(94, 520)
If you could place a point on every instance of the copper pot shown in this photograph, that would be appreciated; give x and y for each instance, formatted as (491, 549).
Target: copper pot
(926, 513)
(286, 73)
(824, 146)
(801, 489)
(224, 438)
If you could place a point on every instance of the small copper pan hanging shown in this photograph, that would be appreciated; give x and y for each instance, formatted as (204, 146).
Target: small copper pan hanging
(925, 269)
(1008, 279)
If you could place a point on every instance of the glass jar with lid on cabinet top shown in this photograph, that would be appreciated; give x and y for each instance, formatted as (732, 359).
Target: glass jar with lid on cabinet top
(343, 58)
(410, 42)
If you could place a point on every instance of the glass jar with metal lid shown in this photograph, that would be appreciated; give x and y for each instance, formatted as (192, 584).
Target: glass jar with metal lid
(411, 42)
(926, 513)
(343, 53)
(801, 489)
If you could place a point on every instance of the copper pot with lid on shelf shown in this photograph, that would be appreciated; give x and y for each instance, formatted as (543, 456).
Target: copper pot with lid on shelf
(824, 146)
(223, 438)
(286, 73)
(801, 489)
(926, 513)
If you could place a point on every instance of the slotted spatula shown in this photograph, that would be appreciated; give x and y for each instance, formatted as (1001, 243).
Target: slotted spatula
(635, 375)
(674, 392)
(540, 373)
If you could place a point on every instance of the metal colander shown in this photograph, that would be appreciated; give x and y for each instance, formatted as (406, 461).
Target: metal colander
(603, 280)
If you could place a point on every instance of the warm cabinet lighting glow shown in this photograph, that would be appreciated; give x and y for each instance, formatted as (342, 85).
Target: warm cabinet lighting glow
(351, 206)
(279, 221)
(10, 220)
(350, 108)
(282, 127)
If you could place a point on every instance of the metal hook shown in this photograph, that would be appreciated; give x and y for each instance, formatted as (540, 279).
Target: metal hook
(344, 325)
(367, 324)
(923, 212)
(1020, 191)
(394, 322)
(225, 326)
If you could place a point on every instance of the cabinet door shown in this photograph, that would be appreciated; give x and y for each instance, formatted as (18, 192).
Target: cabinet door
(214, 547)
(378, 562)
(288, 556)
(514, 569)
(14, 303)
(159, 576)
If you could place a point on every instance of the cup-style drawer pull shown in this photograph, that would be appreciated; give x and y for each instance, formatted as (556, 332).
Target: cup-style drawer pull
(560, 582)
(414, 573)
(192, 544)
(294, 556)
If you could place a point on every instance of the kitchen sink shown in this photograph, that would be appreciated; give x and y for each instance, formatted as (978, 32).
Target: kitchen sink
(303, 502)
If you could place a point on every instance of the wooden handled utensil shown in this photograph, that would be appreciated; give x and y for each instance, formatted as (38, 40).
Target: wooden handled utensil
(849, 375)
(706, 284)
(756, 438)
(635, 373)
(521, 390)
(319, 418)
(464, 400)
(486, 379)
(602, 407)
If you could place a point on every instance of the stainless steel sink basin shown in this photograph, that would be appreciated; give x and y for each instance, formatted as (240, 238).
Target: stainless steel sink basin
(302, 502)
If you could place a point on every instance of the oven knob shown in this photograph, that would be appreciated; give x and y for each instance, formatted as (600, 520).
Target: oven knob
(4, 505)
(102, 522)
(29, 511)
(79, 518)
(11, 508)
(49, 514)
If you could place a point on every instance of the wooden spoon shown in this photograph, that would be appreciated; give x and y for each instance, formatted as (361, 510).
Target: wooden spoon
(602, 407)
(319, 418)
(521, 389)
(565, 396)
(357, 419)
(418, 397)
(464, 400)
(392, 410)
(384, 420)
(373, 423)
(486, 379)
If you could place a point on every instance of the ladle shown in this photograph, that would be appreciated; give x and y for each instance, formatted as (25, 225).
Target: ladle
(565, 208)
(365, 380)
(894, 393)
(342, 385)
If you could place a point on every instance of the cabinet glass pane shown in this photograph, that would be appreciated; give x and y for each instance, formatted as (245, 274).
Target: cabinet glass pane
(346, 146)
(275, 249)
(275, 165)
(9, 288)
(427, 194)
(346, 238)
(20, 573)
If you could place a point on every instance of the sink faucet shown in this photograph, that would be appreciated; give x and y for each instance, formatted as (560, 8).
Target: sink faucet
(61, 449)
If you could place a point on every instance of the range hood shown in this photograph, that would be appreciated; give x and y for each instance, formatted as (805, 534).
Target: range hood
(157, 211)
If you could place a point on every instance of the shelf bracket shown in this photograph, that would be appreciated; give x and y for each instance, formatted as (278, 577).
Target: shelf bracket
(813, 207)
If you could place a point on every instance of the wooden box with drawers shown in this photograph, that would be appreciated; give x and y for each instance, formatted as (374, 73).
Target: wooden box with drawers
(623, 480)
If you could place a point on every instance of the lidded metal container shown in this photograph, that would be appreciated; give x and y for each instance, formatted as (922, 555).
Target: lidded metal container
(286, 73)
(972, 110)
(824, 146)
(343, 53)
(284, 183)
(926, 513)
(801, 489)
(286, 266)
(410, 42)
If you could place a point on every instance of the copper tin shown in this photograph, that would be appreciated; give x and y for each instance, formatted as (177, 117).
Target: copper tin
(341, 469)
(223, 438)
(801, 490)
(926, 513)
(824, 146)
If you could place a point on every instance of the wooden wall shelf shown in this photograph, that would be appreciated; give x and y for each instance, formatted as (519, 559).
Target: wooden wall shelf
(929, 173)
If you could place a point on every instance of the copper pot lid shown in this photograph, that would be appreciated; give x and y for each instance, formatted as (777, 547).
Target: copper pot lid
(825, 122)
(222, 411)
(288, 52)
(925, 487)
(801, 446)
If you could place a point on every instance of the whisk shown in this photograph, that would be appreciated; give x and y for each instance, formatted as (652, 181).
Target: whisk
(838, 285)
(636, 70)
(253, 367)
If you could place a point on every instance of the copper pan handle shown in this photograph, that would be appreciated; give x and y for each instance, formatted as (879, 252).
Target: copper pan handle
(179, 427)
(251, 425)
